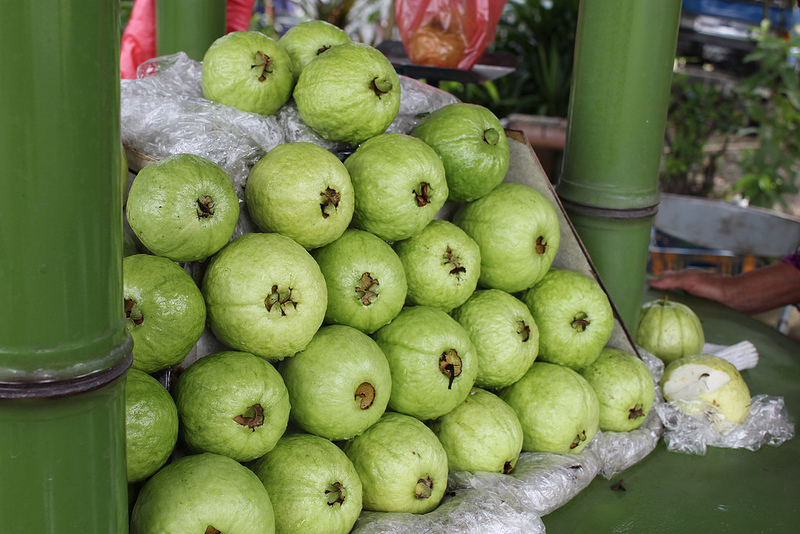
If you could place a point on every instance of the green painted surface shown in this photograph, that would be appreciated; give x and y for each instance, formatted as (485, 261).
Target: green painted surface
(624, 54)
(189, 26)
(618, 248)
(724, 491)
(62, 463)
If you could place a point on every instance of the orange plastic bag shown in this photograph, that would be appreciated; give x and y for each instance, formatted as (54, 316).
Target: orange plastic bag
(447, 33)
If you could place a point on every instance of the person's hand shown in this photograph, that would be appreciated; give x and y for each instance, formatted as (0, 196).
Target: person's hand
(704, 284)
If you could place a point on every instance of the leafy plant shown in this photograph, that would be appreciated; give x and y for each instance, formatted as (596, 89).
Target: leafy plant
(772, 101)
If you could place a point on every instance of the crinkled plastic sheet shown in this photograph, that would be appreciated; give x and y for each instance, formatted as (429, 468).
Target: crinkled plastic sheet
(768, 423)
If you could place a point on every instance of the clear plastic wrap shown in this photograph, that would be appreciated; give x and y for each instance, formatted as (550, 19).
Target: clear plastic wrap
(768, 423)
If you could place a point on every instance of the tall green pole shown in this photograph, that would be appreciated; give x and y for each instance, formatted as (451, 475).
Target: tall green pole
(624, 55)
(189, 26)
(64, 349)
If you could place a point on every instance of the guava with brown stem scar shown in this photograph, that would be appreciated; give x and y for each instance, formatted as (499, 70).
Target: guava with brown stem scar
(232, 403)
(432, 361)
(308, 39)
(312, 484)
(339, 385)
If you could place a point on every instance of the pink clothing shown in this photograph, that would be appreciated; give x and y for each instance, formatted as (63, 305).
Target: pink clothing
(139, 38)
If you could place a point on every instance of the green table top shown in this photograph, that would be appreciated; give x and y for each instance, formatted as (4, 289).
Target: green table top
(725, 490)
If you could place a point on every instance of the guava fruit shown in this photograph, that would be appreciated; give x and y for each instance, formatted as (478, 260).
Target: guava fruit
(482, 433)
(365, 280)
(705, 385)
(517, 231)
(504, 334)
(249, 71)
(399, 184)
(348, 94)
(556, 406)
(472, 144)
(151, 425)
(232, 403)
(442, 265)
(574, 317)
(204, 493)
(669, 330)
(432, 361)
(183, 207)
(313, 485)
(339, 384)
(308, 39)
(302, 191)
(401, 463)
(265, 295)
(624, 388)
(164, 309)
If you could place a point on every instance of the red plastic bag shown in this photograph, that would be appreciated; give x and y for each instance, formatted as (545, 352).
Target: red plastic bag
(447, 33)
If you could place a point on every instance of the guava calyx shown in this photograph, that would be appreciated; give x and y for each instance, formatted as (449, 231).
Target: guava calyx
(451, 258)
(336, 494)
(323, 48)
(507, 467)
(380, 87)
(422, 196)
(580, 321)
(330, 201)
(281, 298)
(133, 312)
(578, 439)
(205, 207)
(450, 365)
(252, 418)
(636, 412)
(523, 330)
(365, 394)
(541, 245)
(264, 62)
(491, 136)
(424, 488)
(212, 530)
(367, 288)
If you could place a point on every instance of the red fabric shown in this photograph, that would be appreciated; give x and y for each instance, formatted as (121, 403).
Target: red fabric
(138, 42)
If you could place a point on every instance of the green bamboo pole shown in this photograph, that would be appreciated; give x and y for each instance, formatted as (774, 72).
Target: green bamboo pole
(63, 344)
(189, 26)
(624, 55)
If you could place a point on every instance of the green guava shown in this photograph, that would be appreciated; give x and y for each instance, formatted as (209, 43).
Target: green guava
(517, 231)
(504, 333)
(705, 385)
(442, 265)
(399, 184)
(206, 493)
(574, 317)
(249, 71)
(312, 484)
(232, 403)
(483, 433)
(164, 309)
(303, 191)
(348, 94)
(151, 425)
(472, 144)
(265, 295)
(669, 330)
(183, 207)
(401, 463)
(624, 388)
(339, 385)
(432, 361)
(308, 39)
(365, 280)
(557, 408)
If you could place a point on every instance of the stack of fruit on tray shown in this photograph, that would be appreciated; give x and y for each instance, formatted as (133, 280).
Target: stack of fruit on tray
(368, 344)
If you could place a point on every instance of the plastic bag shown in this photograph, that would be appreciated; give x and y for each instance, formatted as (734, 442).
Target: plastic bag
(447, 33)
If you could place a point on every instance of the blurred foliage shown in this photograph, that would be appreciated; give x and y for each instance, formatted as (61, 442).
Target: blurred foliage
(540, 34)
(125, 7)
